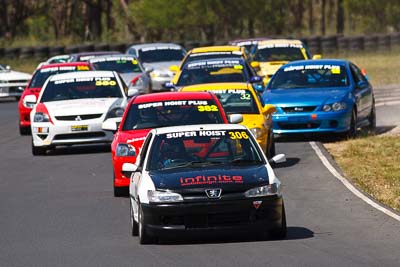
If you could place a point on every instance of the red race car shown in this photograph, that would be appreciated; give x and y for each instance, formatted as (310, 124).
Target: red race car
(39, 77)
(145, 112)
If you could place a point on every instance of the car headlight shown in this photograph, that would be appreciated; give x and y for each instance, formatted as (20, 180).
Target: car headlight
(125, 150)
(41, 117)
(337, 106)
(29, 105)
(115, 113)
(161, 197)
(266, 190)
(257, 132)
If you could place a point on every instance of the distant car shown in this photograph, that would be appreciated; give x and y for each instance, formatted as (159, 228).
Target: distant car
(272, 54)
(35, 85)
(249, 43)
(202, 179)
(320, 96)
(217, 70)
(212, 52)
(12, 83)
(56, 59)
(130, 69)
(240, 98)
(72, 107)
(146, 112)
(85, 56)
(159, 57)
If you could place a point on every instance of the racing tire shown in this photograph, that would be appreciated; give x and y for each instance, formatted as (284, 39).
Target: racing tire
(38, 150)
(281, 232)
(118, 191)
(372, 119)
(144, 238)
(352, 132)
(17, 98)
(134, 224)
(24, 130)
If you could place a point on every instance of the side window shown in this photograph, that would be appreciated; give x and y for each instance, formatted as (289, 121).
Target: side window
(132, 51)
(356, 73)
(143, 150)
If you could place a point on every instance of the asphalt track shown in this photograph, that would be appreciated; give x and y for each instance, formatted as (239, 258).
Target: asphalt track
(58, 210)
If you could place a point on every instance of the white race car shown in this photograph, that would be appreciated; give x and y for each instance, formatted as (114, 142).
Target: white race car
(198, 179)
(12, 83)
(72, 107)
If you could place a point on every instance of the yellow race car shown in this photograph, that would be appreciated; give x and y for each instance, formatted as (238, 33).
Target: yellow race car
(272, 54)
(241, 98)
(212, 52)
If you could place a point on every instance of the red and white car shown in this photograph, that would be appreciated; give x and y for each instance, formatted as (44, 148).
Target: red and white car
(35, 85)
(146, 112)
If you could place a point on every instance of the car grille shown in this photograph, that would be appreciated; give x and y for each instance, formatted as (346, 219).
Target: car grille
(78, 117)
(79, 135)
(296, 126)
(299, 109)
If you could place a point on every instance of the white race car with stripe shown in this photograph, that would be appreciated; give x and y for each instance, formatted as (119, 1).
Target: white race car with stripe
(72, 107)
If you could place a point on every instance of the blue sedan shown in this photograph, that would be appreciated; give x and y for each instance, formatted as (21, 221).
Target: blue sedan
(320, 96)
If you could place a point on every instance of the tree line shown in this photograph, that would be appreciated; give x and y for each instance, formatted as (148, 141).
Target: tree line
(71, 21)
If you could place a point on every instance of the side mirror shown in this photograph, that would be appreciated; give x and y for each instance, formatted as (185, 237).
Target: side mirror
(318, 56)
(268, 109)
(133, 92)
(174, 68)
(255, 64)
(255, 79)
(29, 101)
(148, 70)
(235, 118)
(362, 84)
(129, 168)
(169, 86)
(280, 158)
(111, 124)
(258, 87)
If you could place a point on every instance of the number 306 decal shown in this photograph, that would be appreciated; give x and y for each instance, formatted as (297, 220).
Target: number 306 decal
(238, 135)
(207, 108)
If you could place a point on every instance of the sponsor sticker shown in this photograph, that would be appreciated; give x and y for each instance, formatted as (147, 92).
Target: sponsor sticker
(211, 180)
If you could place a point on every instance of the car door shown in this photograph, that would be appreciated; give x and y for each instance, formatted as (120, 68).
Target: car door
(140, 162)
(362, 92)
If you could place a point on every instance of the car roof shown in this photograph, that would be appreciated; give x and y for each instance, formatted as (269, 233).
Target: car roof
(317, 62)
(241, 60)
(64, 64)
(248, 41)
(221, 48)
(112, 57)
(216, 86)
(168, 96)
(82, 74)
(280, 41)
(147, 45)
(201, 127)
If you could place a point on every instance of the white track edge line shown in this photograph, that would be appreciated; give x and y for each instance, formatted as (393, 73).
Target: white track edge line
(349, 186)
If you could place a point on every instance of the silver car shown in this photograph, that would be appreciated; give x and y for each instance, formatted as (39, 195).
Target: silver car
(159, 57)
(135, 76)
(12, 83)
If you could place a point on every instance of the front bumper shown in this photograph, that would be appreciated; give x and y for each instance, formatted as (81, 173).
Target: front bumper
(315, 122)
(12, 89)
(168, 220)
(61, 133)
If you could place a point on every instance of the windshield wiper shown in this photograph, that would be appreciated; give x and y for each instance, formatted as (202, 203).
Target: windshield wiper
(246, 161)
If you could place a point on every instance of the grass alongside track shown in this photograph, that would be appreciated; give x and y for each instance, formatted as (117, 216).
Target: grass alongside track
(371, 162)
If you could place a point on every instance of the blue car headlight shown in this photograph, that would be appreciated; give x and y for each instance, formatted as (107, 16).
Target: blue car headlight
(337, 106)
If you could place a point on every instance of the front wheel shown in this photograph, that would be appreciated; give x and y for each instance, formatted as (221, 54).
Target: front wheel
(144, 238)
(38, 150)
(372, 119)
(280, 233)
(24, 130)
(134, 224)
(352, 132)
(271, 151)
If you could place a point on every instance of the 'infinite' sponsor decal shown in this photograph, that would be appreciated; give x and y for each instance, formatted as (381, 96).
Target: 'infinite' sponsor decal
(212, 179)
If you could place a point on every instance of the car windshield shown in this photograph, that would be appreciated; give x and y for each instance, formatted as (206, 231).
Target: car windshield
(122, 65)
(2, 67)
(160, 54)
(40, 76)
(237, 101)
(171, 113)
(217, 71)
(80, 88)
(310, 76)
(279, 54)
(203, 148)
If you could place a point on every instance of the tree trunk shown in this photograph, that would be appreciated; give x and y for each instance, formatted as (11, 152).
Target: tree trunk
(340, 17)
(323, 7)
